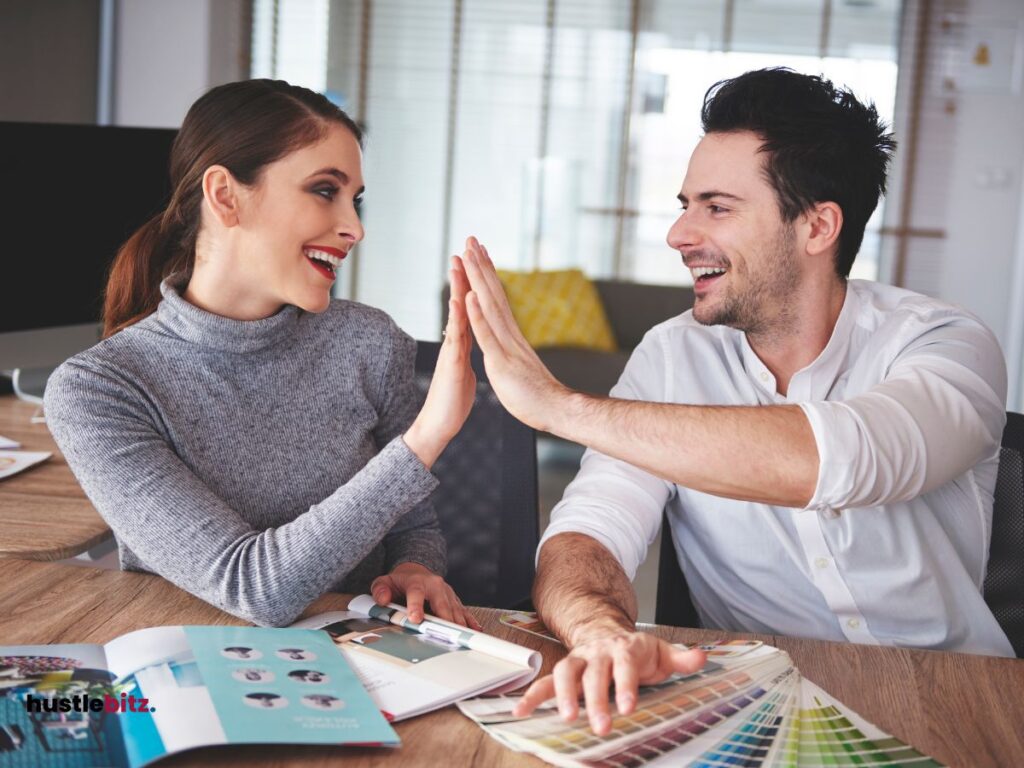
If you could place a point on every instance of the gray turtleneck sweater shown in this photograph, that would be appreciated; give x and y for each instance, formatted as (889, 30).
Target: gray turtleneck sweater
(255, 464)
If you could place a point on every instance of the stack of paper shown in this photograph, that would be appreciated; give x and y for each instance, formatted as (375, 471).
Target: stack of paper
(13, 462)
(749, 706)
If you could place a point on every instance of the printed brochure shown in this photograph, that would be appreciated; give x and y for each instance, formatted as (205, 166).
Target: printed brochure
(409, 668)
(158, 691)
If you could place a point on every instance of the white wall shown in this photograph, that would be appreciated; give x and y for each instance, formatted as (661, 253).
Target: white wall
(968, 178)
(167, 54)
(985, 191)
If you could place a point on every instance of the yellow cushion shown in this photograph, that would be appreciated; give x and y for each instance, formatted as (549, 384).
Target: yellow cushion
(560, 308)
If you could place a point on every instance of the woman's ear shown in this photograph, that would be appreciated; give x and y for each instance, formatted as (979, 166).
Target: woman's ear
(824, 223)
(221, 192)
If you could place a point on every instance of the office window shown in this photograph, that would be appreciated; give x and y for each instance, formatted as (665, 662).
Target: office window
(555, 130)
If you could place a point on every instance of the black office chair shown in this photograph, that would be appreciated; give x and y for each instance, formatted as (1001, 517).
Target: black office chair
(1004, 581)
(673, 606)
(487, 499)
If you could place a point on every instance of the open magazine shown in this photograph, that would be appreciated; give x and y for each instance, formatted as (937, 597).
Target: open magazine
(154, 692)
(410, 668)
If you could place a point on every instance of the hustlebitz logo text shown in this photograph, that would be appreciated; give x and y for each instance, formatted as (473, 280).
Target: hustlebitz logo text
(85, 703)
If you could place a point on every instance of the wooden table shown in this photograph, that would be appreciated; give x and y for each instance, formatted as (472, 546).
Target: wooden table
(963, 710)
(44, 514)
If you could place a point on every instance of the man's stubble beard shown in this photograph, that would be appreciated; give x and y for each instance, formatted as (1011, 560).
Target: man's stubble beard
(766, 307)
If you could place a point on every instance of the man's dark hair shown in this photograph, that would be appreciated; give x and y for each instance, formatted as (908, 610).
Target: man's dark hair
(821, 145)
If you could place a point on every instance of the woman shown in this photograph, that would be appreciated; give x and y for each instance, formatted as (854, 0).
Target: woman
(243, 435)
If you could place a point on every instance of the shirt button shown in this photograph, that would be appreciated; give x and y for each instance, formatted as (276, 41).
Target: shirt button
(853, 623)
(764, 375)
(821, 562)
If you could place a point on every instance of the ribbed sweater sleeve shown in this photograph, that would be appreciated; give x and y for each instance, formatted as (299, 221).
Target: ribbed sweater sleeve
(111, 434)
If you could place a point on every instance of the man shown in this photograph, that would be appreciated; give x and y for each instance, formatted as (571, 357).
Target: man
(826, 450)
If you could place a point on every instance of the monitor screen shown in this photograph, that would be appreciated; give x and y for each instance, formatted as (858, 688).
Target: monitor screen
(70, 195)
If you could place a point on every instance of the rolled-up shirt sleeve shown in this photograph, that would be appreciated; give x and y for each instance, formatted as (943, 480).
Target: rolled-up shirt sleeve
(613, 502)
(939, 412)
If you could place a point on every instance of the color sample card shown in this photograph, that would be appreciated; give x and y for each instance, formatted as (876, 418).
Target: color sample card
(748, 707)
(729, 649)
(527, 621)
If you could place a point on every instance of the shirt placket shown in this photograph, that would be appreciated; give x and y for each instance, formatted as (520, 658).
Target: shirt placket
(827, 576)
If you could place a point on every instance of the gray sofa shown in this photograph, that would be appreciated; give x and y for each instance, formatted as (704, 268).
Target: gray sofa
(632, 309)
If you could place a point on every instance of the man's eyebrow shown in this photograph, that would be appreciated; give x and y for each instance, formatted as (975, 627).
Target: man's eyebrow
(705, 196)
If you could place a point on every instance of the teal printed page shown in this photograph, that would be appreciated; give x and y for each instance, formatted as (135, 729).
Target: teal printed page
(45, 720)
(285, 686)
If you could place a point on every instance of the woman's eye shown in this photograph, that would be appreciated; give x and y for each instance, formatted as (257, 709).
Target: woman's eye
(358, 203)
(327, 193)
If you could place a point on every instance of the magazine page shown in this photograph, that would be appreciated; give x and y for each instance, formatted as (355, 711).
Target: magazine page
(186, 687)
(52, 708)
(408, 672)
(449, 632)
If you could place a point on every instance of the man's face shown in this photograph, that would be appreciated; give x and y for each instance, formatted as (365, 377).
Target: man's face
(731, 235)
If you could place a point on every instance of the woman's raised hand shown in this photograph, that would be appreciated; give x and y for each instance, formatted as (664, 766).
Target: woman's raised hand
(453, 387)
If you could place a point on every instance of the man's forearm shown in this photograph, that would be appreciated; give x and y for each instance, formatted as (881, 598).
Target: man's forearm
(765, 454)
(581, 591)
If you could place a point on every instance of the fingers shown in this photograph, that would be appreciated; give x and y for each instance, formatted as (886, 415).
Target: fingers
(596, 680)
(414, 596)
(457, 278)
(485, 336)
(627, 683)
(440, 600)
(485, 284)
(490, 275)
(460, 613)
(566, 675)
(541, 690)
(686, 661)
(471, 621)
(382, 590)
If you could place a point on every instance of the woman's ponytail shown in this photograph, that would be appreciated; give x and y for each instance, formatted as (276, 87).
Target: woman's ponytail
(133, 286)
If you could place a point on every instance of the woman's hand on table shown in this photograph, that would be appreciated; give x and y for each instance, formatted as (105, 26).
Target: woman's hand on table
(417, 583)
(453, 388)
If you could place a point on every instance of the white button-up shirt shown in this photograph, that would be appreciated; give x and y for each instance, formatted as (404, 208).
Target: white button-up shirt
(907, 406)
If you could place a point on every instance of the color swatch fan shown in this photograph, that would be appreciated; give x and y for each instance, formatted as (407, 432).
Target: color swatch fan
(747, 707)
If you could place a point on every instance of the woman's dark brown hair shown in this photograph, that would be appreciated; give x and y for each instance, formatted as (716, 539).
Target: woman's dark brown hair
(242, 126)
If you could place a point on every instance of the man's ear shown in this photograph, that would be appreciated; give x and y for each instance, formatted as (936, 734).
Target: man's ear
(221, 193)
(824, 223)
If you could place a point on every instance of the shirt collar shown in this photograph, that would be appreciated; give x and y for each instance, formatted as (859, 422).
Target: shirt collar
(814, 381)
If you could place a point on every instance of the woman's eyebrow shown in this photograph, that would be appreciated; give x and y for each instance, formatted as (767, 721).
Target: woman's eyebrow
(339, 175)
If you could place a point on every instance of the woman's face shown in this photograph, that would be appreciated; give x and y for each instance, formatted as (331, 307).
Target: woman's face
(299, 221)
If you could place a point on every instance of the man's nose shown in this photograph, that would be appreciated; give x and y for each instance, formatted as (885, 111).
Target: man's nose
(684, 233)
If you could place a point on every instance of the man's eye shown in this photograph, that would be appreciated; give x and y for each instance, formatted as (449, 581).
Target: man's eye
(717, 209)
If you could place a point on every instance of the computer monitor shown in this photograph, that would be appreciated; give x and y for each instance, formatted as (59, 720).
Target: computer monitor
(70, 195)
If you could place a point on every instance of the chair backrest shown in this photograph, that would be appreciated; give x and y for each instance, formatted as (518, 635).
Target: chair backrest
(487, 500)
(1004, 580)
(673, 606)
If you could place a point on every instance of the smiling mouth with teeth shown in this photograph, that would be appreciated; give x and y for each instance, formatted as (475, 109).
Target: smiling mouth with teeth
(706, 274)
(325, 263)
